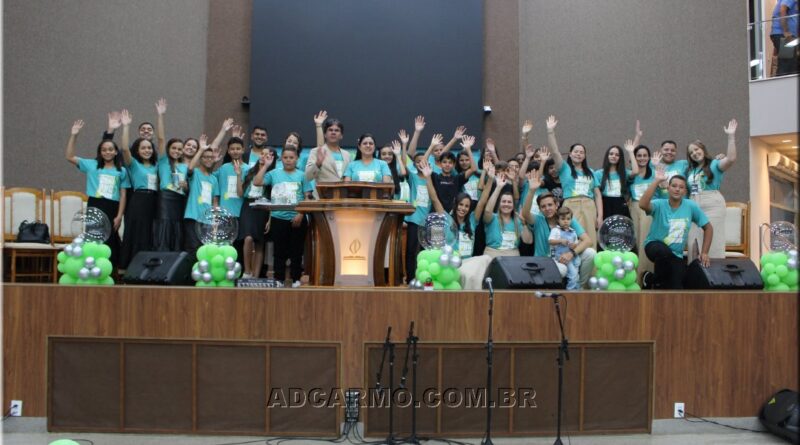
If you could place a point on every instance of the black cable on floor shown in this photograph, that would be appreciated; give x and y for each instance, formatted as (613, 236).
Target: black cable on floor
(702, 420)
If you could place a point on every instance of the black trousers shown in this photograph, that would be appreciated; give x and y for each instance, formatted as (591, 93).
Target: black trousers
(289, 243)
(412, 249)
(669, 269)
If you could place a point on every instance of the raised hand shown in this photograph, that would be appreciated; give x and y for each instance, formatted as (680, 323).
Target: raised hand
(396, 149)
(460, 131)
(425, 169)
(419, 123)
(639, 132)
(534, 180)
(322, 153)
(237, 167)
(629, 146)
(544, 154)
(487, 163)
(511, 174)
(203, 142)
(161, 106)
(436, 139)
(551, 123)
(227, 124)
(267, 158)
(114, 120)
(501, 180)
(489, 168)
(656, 158)
(403, 136)
(490, 146)
(126, 117)
(529, 151)
(237, 131)
(730, 130)
(76, 127)
(527, 127)
(661, 173)
(467, 142)
(320, 117)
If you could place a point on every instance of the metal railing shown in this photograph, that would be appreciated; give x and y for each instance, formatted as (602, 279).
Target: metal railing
(773, 55)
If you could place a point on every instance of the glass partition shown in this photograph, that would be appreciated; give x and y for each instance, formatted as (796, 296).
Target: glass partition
(773, 53)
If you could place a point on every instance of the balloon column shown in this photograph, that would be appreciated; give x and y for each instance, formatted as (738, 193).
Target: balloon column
(86, 260)
(216, 264)
(779, 266)
(438, 263)
(616, 264)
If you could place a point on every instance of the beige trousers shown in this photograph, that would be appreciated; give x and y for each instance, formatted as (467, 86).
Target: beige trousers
(641, 227)
(585, 211)
(712, 203)
(473, 270)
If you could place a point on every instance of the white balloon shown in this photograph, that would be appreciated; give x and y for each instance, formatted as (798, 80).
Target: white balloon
(96, 272)
(792, 263)
(202, 266)
(207, 277)
(455, 261)
(230, 275)
(602, 283)
(617, 261)
(78, 241)
(444, 259)
(68, 249)
(237, 268)
(230, 263)
(793, 253)
(619, 274)
(77, 251)
(593, 282)
(447, 249)
(628, 265)
(197, 275)
(89, 262)
(83, 273)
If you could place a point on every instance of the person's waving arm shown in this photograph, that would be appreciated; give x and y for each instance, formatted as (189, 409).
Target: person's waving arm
(527, 127)
(534, 182)
(319, 119)
(551, 141)
(399, 158)
(468, 142)
(419, 125)
(73, 136)
(435, 140)
(203, 146)
(645, 202)
(630, 146)
(457, 135)
(258, 180)
(481, 205)
(161, 110)
(227, 124)
(126, 119)
(425, 170)
(488, 212)
(730, 157)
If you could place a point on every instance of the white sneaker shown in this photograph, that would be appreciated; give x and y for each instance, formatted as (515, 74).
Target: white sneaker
(296, 284)
(247, 275)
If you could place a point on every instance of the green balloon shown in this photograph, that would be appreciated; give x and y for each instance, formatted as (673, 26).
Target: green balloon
(91, 250)
(62, 256)
(607, 270)
(630, 256)
(781, 270)
(633, 287)
(66, 279)
(229, 251)
(437, 286)
(434, 269)
(61, 267)
(217, 261)
(107, 281)
(616, 286)
(630, 278)
(422, 255)
(202, 253)
(773, 279)
(64, 442)
(790, 278)
(780, 258)
(447, 275)
(598, 260)
(423, 264)
(225, 283)
(433, 255)
(768, 269)
(218, 273)
(104, 251)
(423, 276)
(212, 250)
(455, 285)
(764, 260)
(202, 283)
(781, 287)
(72, 266)
(105, 267)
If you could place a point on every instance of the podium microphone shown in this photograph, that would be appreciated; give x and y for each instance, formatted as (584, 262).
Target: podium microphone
(540, 294)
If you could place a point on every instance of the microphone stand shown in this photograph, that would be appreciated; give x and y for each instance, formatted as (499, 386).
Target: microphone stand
(563, 352)
(411, 345)
(388, 347)
(489, 353)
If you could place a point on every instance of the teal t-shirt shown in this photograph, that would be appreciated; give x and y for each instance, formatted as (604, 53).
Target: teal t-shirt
(541, 234)
(103, 182)
(372, 172)
(465, 244)
(251, 191)
(143, 177)
(202, 190)
(419, 197)
(432, 162)
(228, 197)
(405, 191)
(505, 238)
(523, 195)
(639, 185)
(698, 182)
(678, 167)
(583, 185)
(288, 188)
(613, 188)
(165, 172)
(671, 226)
(471, 186)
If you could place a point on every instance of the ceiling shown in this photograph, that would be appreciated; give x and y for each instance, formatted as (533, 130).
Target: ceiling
(777, 142)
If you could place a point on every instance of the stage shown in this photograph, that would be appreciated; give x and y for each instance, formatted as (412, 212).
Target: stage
(720, 353)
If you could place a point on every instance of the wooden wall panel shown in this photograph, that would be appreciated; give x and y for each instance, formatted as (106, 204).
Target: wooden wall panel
(722, 353)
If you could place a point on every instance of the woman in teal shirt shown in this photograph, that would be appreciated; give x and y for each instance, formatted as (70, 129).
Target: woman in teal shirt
(106, 183)
(669, 231)
(365, 168)
(203, 194)
(613, 179)
(704, 175)
(504, 229)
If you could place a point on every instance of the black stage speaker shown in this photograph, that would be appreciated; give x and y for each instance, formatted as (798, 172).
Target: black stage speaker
(524, 272)
(781, 415)
(160, 268)
(727, 273)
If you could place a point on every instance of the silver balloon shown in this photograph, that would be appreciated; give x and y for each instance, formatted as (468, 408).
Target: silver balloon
(237, 268)
(793, 253)
(617, 261)
(230, 275)
(439, 230)
(68, 249)
(207, 277)
(619, 274)
(628, 265)
(792, 263)
(78, 241)
(455, 261)
(89, 262)
(77, 251)
(593, 282)
(230, 263)
(616, 233)
(83, 273)
(95, 272)
(602, 283)
(447, 249)
(197, 275)
(202, 266)
(444, 259)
